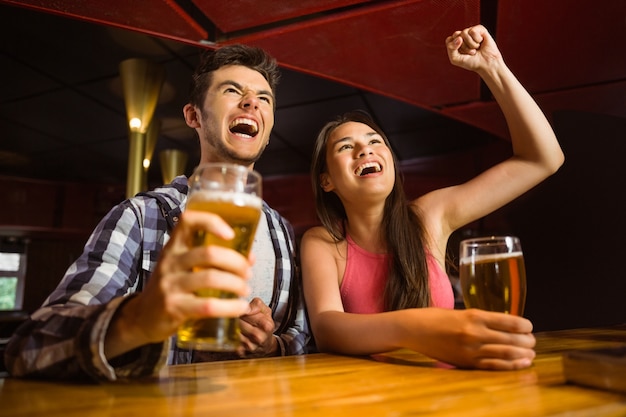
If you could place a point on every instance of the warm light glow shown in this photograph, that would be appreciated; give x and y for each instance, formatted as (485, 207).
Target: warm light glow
(141, 81)
(173, 163)
(146, 163)
(135, 123)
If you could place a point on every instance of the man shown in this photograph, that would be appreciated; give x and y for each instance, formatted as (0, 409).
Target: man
(114, 312)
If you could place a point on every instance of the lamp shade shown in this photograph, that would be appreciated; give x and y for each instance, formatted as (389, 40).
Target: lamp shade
(173, 163)
(141, 83)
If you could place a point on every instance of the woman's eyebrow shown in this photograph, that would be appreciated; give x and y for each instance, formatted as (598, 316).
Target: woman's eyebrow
(349, 138)
(344, 139)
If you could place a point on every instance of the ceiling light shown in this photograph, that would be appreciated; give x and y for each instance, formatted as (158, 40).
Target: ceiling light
(141, 82)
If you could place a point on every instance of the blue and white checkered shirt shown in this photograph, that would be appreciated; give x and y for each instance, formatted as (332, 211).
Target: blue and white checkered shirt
(64, 339)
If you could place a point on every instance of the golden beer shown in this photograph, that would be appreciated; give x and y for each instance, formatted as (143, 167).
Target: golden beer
(242, 212)
(494, 282)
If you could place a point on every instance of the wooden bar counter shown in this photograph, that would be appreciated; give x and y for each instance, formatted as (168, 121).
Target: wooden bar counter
(401, 383)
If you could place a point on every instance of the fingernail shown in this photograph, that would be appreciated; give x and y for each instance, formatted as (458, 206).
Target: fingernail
(526, 362)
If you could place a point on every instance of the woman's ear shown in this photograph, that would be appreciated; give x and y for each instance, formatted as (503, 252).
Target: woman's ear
(325, 182)
(191, 116)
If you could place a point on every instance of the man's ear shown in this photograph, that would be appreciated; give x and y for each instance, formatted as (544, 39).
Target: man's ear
(191, 116)
(325, 182)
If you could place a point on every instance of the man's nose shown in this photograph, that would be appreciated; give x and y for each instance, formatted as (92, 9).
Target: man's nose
(250, 100)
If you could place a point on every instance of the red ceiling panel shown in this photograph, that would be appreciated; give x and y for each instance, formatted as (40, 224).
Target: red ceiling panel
(605, 99)
(537, 38)
(566, 53)
(396, 49)
(158, 17)
(230, 16)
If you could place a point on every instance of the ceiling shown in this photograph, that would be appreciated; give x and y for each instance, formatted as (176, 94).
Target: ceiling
(62, 115)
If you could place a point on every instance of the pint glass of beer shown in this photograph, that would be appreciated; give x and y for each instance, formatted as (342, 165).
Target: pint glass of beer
(234, 193)
(492, 274)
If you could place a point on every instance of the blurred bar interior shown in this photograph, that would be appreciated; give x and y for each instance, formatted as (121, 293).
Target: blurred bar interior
(67, 153)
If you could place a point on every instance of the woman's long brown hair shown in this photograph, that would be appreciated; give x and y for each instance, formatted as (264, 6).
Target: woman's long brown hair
(402, 229)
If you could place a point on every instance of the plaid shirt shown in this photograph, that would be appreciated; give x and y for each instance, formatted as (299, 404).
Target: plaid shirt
(65, 338)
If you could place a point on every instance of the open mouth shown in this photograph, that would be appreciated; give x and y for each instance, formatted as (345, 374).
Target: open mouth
(244, 127)
(368, 168)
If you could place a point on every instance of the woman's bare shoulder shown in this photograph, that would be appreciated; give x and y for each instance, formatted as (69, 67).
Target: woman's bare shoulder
(318, 234)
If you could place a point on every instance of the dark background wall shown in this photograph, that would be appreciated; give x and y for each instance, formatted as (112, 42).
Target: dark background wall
(573, 228)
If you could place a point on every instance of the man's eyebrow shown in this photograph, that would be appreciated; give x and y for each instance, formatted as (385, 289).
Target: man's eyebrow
(240, 87)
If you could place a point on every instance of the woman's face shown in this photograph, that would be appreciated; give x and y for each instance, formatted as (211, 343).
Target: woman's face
(359, 163)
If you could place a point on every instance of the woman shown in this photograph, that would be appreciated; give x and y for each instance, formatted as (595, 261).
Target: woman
(373, 275)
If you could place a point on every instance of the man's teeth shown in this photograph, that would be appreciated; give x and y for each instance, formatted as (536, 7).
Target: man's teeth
(368, 168)
(244, 126)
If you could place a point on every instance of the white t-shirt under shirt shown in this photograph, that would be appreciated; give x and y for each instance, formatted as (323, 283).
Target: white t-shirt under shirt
(262, 281)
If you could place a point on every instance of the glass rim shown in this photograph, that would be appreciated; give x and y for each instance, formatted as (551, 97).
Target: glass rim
(493, 238)
(229, 166)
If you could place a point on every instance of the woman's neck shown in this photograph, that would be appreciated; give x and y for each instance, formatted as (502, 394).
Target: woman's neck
(364, 227)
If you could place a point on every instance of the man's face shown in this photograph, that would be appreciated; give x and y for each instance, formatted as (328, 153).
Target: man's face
(237, 116)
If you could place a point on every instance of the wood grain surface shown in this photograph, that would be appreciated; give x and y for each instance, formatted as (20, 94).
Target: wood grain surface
(401, 383)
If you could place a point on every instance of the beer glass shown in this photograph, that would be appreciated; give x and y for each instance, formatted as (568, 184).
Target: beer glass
(234, 193)
(492, 274)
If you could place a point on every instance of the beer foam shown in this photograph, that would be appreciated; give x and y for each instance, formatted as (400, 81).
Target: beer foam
(239, 199)
(490, 256)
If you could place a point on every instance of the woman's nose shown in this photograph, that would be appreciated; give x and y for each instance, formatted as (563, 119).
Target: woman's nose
(364, 150)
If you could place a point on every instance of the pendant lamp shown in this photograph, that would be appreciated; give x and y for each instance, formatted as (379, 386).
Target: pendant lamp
(141, 82)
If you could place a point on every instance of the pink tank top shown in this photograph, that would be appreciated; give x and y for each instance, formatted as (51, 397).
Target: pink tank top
(364, 280)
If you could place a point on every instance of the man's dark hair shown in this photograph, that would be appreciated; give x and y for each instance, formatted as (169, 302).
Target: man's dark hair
(244, 55)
